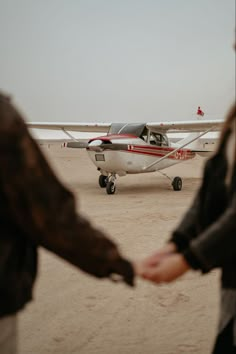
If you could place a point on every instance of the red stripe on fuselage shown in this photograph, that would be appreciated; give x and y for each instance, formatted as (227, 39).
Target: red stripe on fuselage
(158, 151)
(162, 151)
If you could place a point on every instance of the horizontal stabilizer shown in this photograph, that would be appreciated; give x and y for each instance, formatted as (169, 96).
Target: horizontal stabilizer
(200, 146)
(190, 141)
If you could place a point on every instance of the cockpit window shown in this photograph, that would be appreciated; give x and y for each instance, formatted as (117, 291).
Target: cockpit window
(158, 139)
(140, 131)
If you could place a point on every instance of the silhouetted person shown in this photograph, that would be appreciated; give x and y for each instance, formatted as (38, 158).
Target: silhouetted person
(206, 237)
(37, 210)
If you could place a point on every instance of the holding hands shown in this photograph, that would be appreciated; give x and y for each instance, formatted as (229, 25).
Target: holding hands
(163, 266)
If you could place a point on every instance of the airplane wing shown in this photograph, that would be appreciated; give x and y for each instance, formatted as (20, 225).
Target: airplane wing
(92, 128)
(185, 126)
(57, 132)
(79, 127)
(174, 126)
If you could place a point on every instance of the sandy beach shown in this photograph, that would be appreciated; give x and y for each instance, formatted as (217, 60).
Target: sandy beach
(73, 312)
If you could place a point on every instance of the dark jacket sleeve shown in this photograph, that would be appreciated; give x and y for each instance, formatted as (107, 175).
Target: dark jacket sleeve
(187, 229)
(44, 209)
(217, 244)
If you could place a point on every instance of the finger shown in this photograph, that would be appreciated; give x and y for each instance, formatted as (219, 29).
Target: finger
(138, 268)
(154, 259)
(153, 275)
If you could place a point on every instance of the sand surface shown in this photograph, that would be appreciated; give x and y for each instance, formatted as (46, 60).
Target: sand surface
(76, 313)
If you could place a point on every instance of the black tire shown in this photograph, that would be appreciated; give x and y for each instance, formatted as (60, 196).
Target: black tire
(110, 188)
(177, 184)
(102, 181)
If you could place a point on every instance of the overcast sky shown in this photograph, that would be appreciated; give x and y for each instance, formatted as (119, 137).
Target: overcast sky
(126, 60)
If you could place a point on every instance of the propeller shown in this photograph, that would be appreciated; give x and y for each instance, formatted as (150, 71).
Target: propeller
(97, 145)
(77, 144)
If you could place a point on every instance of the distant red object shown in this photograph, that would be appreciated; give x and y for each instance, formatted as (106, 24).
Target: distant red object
(200, 112)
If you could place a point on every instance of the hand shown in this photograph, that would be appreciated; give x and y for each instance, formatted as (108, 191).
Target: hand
(151, 261)
(156, 257)
(139, 267)
(168, 269)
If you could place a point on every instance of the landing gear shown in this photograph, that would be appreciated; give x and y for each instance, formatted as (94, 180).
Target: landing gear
(103, 181)
(177, 184)
(108, 182)
(110, 188)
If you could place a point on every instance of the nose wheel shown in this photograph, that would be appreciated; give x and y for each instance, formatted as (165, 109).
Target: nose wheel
(108, 182)
(111, 188)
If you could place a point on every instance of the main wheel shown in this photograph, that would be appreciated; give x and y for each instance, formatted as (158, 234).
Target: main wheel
(177, 184)
(102, 181)
(110, 188)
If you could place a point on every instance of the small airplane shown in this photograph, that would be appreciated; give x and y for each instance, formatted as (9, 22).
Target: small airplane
(130, 148)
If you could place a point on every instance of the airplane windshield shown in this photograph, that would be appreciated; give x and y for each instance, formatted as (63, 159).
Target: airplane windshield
(127, 128)
(141, 131)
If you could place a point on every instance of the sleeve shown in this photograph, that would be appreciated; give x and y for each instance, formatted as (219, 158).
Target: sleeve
(45, 210)
(217, 244)
(187, 229)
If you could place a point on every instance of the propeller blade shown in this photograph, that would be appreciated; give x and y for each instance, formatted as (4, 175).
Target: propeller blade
(109, 146)
(77, 144)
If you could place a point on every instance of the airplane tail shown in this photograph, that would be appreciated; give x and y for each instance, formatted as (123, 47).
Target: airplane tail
(201, 146)
(193, 145)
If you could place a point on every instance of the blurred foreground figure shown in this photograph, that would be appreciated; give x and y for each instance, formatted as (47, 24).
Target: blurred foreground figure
(37, 210)
(206, 237)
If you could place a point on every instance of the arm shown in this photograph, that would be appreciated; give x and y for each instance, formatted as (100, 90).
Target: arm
(215, 247)
(217, 244)
(178, 242)
(44, 209)
(187, 228)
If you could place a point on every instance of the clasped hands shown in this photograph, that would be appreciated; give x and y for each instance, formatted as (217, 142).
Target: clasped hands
(164, 266)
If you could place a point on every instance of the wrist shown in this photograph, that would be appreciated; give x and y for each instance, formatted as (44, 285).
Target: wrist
(171, 247)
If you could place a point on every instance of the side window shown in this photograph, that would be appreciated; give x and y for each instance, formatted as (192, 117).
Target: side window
(165, 140)
(158, 139)
(155, 139)
(144, 135)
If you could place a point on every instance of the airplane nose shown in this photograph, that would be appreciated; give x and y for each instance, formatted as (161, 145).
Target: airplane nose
(95, 145)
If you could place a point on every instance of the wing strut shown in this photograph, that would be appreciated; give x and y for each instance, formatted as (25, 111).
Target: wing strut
(175, 150)
(68, 134)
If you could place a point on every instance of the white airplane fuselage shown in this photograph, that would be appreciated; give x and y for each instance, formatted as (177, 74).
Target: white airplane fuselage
(134, 156)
